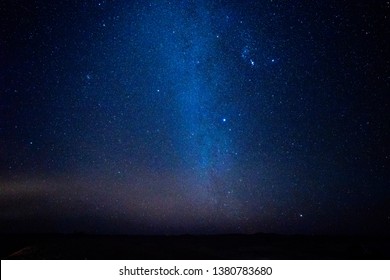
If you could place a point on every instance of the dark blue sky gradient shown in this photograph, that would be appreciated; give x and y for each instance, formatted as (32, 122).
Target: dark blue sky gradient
(167, 117)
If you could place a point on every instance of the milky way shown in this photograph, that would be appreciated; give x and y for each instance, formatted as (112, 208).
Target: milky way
(167, 117)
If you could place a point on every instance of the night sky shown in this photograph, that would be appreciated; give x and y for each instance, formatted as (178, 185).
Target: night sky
(200, 117)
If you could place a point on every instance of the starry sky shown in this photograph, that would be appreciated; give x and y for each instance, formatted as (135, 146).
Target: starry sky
(200, 117)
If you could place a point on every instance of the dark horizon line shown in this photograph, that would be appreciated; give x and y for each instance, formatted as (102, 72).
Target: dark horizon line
(157, 235)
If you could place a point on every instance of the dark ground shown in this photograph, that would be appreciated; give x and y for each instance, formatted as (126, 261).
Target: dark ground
(257, 246)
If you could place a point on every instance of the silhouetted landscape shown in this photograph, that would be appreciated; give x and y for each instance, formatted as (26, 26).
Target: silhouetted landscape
(256, 246)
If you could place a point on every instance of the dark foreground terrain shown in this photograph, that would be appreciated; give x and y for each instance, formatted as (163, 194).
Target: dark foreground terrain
(257, 246)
